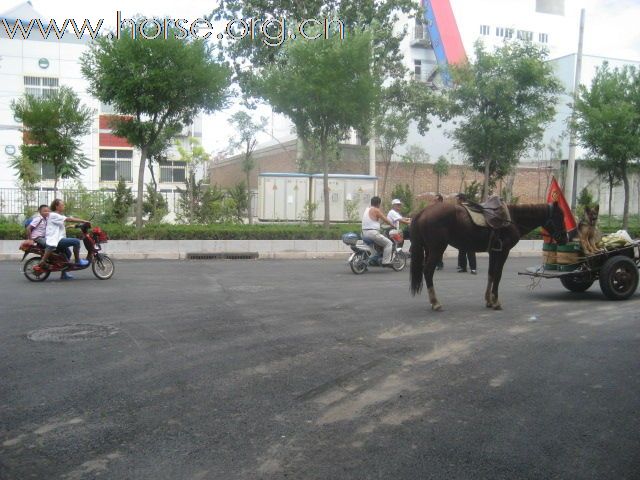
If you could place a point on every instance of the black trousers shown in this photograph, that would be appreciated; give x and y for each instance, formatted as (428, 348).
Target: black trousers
(462, 260)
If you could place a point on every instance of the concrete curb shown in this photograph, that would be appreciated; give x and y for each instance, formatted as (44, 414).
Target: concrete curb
(266, 249)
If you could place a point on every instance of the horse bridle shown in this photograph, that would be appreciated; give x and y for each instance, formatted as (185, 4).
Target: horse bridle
(549, 225)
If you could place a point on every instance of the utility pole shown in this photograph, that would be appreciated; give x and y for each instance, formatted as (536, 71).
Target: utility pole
(570, 182)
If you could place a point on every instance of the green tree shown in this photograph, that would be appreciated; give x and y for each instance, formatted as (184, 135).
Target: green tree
(121, 203)
(155, 205)
(441, 169)
(502, 101)
(585, 199)
(245, 139)
(303, 84)
(53, 125)
(28, 178)
(414, 156)
(608, 122)
(391, 126)
(158, 86)
(241, 200)
(195, 158)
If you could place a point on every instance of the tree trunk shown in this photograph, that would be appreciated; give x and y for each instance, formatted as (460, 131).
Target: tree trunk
(325, 181)
(625, 213)
(249, 213)
(55, 186)
(487, 172)
(610, 201)
(387, 163)
(413, 180)
(143, 158)
(437, 183)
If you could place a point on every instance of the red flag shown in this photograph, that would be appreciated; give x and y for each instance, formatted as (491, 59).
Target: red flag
(555, 195)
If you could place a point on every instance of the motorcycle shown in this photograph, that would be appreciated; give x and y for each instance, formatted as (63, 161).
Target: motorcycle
(92, 238)
(367, 254)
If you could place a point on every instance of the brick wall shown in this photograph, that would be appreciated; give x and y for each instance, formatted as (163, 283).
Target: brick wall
(529, 186)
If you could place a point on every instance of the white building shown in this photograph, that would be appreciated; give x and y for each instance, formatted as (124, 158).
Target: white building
(35, 65)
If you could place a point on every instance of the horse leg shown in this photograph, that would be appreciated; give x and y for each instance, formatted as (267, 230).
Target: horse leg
(429, 268)
(501, 258)
(490, 276)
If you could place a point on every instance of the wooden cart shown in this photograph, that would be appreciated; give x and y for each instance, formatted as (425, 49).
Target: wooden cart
(616, 270)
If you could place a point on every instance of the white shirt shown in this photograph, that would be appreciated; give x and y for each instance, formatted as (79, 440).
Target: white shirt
(55, 229)
(368, 223)
(39, 224)
(394, 217)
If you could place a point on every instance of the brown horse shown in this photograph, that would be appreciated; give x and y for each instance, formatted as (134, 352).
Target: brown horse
(443, 224)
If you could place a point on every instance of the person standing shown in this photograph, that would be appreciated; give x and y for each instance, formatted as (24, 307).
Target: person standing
(463, 255)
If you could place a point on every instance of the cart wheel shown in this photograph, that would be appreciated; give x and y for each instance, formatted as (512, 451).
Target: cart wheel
(619, 278)
(577, 283)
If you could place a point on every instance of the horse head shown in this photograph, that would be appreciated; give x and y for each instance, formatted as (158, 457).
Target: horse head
(555, 224)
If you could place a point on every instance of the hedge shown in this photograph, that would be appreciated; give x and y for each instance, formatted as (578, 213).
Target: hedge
(14, 231)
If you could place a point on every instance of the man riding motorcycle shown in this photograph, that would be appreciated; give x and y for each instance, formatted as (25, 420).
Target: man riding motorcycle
(371, 229)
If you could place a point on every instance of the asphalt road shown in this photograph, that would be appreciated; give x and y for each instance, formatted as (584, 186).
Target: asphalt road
(301, 370)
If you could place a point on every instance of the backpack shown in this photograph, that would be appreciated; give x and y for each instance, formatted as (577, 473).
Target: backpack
(27, 222)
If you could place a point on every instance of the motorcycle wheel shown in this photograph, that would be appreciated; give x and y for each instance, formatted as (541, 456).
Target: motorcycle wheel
(103, 267)
(32, 276)
(399, 261)
(358, 263)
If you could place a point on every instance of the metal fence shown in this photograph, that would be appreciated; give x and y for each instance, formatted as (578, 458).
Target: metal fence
(16, 202)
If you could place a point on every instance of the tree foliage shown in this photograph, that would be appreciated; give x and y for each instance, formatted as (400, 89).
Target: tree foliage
(245, 139)
(53, 125)
(608, 123)
(502, 100)
(158, 86)
(324, 87)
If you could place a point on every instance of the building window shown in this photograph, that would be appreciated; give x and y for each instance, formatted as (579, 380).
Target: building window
(420, 30)
(499, 31)
(172, 172)
(47, 172)
(40, 86)
(417, 70)
(525, 35)
(484, 29)
(508, 32)
(543, 38)
(115, 164)
(107, 109)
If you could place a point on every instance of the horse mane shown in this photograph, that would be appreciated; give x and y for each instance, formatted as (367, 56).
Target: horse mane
(528, 211)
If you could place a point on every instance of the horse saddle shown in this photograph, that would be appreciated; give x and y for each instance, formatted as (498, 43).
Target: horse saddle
(492, 214)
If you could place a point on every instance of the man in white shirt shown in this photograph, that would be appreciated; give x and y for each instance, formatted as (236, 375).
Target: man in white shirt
(371, 219)
(56, 236)
(394, 215)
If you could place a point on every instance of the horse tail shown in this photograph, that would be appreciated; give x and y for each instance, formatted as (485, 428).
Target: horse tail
(417, 256)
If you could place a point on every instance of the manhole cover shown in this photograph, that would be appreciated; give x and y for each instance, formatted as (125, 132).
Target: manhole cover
(71, 333)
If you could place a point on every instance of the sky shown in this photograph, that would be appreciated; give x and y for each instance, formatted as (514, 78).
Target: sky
(610, 30)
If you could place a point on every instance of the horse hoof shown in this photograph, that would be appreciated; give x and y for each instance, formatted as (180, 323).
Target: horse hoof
(497, 307)
(437, 307)
(489, 305)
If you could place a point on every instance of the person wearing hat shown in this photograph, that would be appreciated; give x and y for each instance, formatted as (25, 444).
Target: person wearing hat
(462, 255)
(394, 215)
